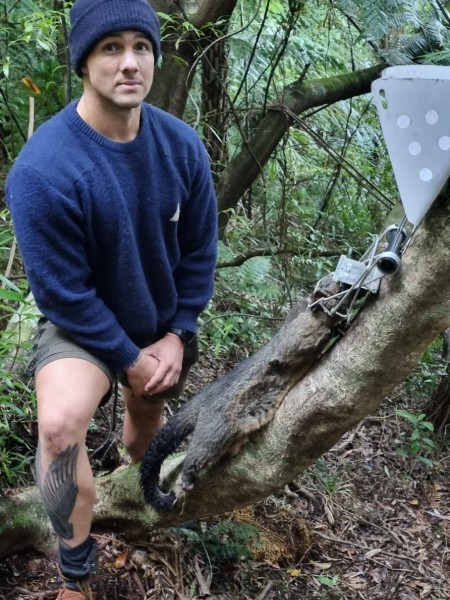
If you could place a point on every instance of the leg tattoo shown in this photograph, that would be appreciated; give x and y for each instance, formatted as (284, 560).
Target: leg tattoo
(59, 490)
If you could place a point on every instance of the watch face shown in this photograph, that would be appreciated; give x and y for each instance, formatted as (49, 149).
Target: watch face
(185, 335)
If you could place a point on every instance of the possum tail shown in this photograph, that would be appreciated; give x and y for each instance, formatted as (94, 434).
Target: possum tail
(166, 442)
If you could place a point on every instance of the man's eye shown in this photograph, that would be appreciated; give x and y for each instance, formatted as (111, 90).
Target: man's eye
(110, 47)
(143, 47)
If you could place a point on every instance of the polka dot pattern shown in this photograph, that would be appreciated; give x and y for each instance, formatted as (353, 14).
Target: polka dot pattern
(431, 118)
(412, 101)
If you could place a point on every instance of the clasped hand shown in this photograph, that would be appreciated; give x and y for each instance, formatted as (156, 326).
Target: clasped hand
(158, 367)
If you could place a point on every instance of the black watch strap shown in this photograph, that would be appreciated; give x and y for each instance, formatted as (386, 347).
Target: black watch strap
(184, 335)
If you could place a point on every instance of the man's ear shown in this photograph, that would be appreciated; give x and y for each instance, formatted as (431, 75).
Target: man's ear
(84, 69)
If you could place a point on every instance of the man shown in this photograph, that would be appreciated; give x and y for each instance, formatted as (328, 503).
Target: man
(115, 215)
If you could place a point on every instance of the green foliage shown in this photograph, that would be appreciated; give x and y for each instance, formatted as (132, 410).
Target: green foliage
(31, 49)
(306, 205)
(401, 31)
(225, 542)
(428, 373)
(17, 412)
(245, 307)
(328, 482)
(419, 445)
(17, 400)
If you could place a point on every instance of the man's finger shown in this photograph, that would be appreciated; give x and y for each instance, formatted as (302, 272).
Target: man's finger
(156, 381)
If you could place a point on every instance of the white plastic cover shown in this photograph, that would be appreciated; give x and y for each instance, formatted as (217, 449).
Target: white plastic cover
(413, 107)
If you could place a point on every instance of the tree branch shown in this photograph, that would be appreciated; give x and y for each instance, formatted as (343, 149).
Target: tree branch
(240, 259)
(298, 97)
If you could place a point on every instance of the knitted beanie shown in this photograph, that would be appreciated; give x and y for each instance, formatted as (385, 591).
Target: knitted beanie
(92, 20)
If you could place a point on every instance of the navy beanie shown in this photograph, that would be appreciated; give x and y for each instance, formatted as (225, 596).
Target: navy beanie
(92, 20)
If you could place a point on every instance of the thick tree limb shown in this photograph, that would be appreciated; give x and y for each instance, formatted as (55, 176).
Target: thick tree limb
(240, 259)
(378, 352)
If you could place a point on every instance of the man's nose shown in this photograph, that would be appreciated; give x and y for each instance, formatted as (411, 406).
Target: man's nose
(129, 62)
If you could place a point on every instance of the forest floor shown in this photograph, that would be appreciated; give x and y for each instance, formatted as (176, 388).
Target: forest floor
(363, 523)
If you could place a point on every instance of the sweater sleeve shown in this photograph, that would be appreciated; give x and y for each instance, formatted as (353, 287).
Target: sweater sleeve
(49, 230)
(194, 275)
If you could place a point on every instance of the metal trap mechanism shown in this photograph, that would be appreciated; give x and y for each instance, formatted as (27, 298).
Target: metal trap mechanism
(353, 276)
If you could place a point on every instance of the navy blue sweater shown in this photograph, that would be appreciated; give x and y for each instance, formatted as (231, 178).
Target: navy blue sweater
(119, 240)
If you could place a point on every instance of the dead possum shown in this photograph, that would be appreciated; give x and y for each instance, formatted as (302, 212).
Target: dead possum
(223, 415)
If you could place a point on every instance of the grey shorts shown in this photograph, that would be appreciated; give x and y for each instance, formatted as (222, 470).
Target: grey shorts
(52, 343)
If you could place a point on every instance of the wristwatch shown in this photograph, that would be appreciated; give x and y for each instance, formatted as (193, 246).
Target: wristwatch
(184, 335)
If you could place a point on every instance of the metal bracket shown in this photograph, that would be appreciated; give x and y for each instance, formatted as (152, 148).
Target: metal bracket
(365, 274)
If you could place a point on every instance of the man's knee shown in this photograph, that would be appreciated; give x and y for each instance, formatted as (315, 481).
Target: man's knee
(58, 430)
(68, 393)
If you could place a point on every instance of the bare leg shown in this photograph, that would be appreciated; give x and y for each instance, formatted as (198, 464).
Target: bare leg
(142, 421)
(68, 393)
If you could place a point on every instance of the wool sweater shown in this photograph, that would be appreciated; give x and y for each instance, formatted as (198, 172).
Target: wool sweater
(118, 240)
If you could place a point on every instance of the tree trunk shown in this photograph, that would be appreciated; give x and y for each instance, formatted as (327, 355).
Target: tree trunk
(377, 353)
(214, 97)
(174, 78)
